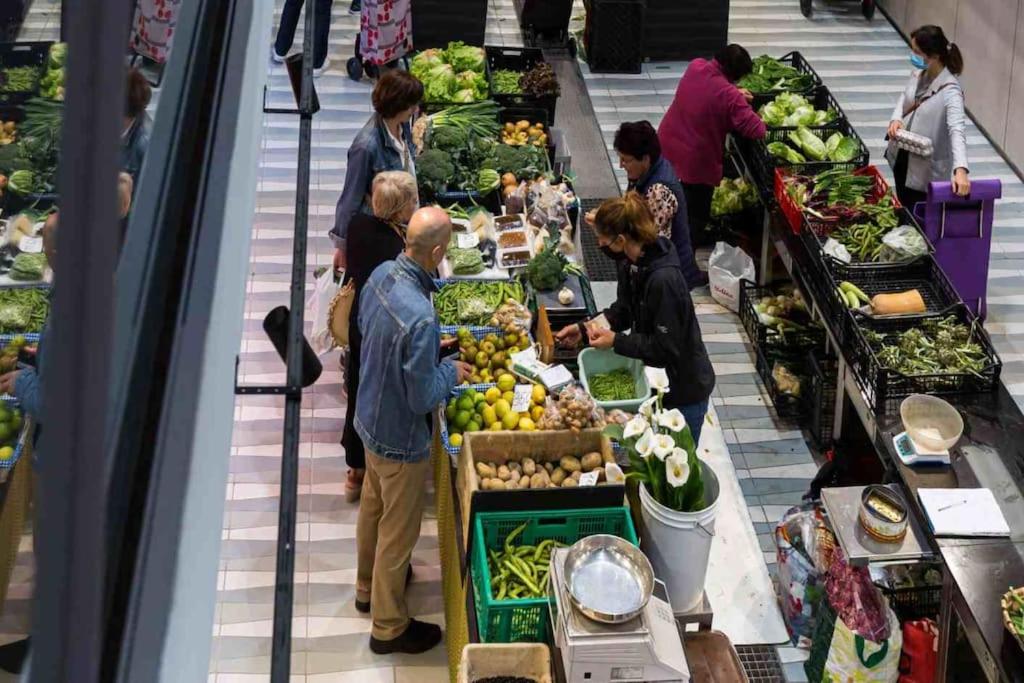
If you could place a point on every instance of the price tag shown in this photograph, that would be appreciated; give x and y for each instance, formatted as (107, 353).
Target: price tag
(467, 240)
(556, 377)
(589, 479)
(31, 245)
(523, 397)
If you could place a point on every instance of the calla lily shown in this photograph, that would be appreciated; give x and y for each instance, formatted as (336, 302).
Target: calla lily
(645, 445)
(677, 468)
(648, 406)
(658, 379)
(636, 426)
(663, 445)
(672, 419)
(613, 473)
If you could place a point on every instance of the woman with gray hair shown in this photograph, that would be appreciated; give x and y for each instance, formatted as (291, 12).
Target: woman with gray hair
(372, 240)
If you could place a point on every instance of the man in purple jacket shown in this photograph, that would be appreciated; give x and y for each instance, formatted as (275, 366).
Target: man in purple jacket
(707, 107)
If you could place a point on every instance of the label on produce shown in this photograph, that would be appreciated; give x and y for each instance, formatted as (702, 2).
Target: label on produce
(31, 245)
(467, 240)
(522, 398)
(589, 478)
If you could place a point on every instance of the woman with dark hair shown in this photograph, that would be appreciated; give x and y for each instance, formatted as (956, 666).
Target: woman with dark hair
(135, 134)
(654, 304)
(707, 107)
(385, 143)
(651, 175)
(931, 105)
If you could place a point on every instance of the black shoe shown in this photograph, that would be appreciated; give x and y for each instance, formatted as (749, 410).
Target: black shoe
(356, 7)
(13, 656)
(364, 607)
(416, 639)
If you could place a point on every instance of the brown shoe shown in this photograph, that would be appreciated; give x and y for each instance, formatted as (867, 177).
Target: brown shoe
(354, 485)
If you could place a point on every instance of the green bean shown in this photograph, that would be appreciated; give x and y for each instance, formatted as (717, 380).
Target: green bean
(617, 385)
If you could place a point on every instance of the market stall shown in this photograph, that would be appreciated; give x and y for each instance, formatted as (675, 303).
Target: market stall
(865, 324)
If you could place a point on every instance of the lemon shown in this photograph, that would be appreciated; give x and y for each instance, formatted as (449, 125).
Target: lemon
(455, 440)
(493, 394)
(462, 418)
(527, 425)
(501, 408)
(537, 412)
(506, 383)
(538, 394)
(511, 420)
(497, 426)
(6, 453)
(509, 396)
(465, 402)
(489, 416)
(473, 426)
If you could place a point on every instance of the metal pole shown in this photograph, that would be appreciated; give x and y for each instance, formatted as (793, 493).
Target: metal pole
(284, 587)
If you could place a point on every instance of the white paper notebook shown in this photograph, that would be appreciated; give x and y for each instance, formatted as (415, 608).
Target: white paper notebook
(963, 512)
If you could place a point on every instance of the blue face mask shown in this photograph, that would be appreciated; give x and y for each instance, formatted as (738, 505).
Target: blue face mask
(918, 61)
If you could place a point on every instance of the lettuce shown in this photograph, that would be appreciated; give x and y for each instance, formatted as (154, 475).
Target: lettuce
(832, 143)
(809, 143)
(464, 95)
(846, 150)
(423, 62)
(773, 114)
(786, 153)
(464, 57)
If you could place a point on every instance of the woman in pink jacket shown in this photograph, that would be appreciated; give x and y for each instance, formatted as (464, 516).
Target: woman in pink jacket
(707, 107)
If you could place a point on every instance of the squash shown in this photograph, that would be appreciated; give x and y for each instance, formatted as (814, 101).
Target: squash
(900, 303)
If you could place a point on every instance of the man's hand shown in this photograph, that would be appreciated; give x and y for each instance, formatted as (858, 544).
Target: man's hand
(462, 371)
(747, 95)
(339, 259)
(7, 382)
(601, 338)
(449, 343)
(590, 217)
(569, 337)
(894, 126)
(961, 183)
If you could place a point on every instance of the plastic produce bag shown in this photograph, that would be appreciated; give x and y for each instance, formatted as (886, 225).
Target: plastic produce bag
(837, 251)
(727, 266)
(320, 304)
(803, 549)
(903, 243)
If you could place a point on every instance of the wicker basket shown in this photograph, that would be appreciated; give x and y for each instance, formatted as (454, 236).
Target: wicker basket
(1005, 604)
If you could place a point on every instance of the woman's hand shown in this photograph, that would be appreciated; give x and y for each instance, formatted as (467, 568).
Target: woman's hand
(339, 259)
(601, 338)
(894, 126)
(747, 95)
(7, 382)
(961, 183)
(590, 217)
(569, 337)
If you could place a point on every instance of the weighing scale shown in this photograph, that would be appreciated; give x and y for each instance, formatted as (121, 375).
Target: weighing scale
(912, 453)
(647, 648)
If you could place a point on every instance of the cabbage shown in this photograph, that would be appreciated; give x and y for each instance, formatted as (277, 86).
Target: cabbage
(464, 57)
(773, 114)
(786, 153)
(846, 150)
(809, 143)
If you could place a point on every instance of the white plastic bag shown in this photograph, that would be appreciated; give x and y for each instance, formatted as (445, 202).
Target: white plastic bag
(727, 266)
(902, 244)
(837, 251)
(320, 304)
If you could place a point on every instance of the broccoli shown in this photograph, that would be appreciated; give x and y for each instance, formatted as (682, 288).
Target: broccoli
(546, 270)
(434, 169)
(448, 138)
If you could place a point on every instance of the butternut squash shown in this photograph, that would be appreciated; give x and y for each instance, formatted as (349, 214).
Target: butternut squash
(900, 303)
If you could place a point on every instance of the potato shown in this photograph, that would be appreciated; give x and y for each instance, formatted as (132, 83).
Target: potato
(511, 485)
(608, 457)
(529, 466)
(575, 475)
(524, 482)
(516, 469)
(504, 473)
(537, 481)
(558, 476)
(498, 485)
(486, 471)
(591, 461)
(489, 483)
(569, 463)
(549, 466)
(569, 483)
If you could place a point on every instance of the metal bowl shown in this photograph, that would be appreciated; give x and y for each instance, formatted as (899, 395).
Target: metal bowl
(608, 579)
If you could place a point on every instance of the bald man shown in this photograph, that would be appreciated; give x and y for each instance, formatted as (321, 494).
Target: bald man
(401, 382)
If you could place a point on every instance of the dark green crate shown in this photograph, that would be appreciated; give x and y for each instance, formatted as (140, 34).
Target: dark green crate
(526, 621)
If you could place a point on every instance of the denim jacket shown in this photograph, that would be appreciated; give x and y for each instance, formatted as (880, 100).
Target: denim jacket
(400, 381)
(371, 153)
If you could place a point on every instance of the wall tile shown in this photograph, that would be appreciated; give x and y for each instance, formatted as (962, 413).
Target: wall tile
(939, 12)
(1015, 122)
(985, 33)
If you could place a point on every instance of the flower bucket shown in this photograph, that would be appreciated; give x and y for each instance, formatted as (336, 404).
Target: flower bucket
(678, 544)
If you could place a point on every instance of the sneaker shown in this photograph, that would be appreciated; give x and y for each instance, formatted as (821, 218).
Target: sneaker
(318, 72)
(278, 59)
(364, 607)
(356, 7)
(417, 638)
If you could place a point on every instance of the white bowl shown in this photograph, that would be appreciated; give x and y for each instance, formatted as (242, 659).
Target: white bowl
(931, 422)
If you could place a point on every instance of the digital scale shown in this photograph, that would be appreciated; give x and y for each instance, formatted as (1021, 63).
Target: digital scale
(912, 453)
(647, 648)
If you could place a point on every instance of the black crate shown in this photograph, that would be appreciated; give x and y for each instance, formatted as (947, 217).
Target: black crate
(613, 35)
(885, 389)
(770, 340)
(788, 406)
(533, 115)
(544, 21)
(764, 162)
(820, 396)
(913, 602)
(797, 61)
(435, 23)
(676, 30)
(520, 59)
(820, 97)
(468, 198)
(24, 54)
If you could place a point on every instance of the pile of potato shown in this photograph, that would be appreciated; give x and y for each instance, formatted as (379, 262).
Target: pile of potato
(531, 474)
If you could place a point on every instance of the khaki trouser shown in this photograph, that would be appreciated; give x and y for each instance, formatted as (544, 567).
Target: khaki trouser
(390, 513)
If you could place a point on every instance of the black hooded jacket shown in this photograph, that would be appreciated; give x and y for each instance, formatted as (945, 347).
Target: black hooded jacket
(654, 303)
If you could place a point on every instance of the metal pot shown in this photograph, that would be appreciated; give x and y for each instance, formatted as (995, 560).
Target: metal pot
(608, 579)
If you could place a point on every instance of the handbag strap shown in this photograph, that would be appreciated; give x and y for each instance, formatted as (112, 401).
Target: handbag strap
(918, 103)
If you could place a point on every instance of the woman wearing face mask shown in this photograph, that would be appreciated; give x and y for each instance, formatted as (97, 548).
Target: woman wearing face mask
(372, 241)
(931, 105)
(654, 304)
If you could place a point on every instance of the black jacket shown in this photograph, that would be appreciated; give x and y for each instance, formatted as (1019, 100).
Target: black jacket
(654, 303)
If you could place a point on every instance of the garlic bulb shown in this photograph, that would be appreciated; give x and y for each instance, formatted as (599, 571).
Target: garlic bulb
(565, 296)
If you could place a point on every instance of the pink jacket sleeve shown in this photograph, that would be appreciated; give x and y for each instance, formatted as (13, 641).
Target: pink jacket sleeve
(743, 119)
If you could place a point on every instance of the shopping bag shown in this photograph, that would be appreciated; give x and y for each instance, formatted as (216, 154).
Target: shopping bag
(803, 546)
(854, 658)
(727, 267)
(319, 305)
(920, 651)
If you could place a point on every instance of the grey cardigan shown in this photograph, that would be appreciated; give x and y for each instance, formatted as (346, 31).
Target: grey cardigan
(940, 118)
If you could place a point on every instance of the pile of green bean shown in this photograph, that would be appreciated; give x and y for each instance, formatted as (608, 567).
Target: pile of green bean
(521, 572)
(472, 302)
(617, 385)
(19, 78)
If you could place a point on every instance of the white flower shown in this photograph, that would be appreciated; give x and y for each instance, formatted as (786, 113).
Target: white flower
(645, 445)
(672, 419)
(663, 445)
(647, 407)
(613, 473)
(677, 468)
(658, 379)
(636, 426)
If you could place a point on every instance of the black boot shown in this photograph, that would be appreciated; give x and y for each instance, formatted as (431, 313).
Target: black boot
(13, 656)
(356, 7)
(417, 638)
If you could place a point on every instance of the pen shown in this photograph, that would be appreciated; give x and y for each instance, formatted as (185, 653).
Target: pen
(952, 505)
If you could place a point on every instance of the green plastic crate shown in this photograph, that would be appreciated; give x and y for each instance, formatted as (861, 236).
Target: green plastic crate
(526, 620)
(598, 361)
